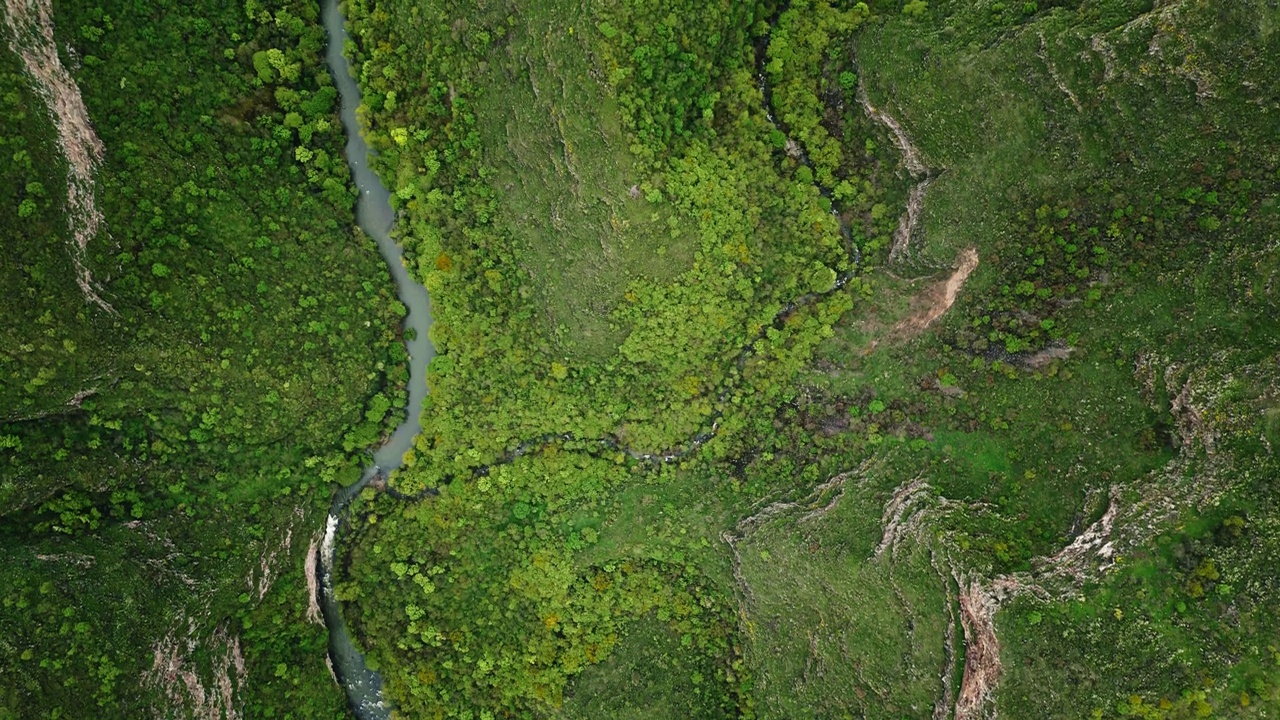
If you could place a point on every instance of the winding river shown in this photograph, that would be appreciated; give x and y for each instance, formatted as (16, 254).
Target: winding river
(375, 216)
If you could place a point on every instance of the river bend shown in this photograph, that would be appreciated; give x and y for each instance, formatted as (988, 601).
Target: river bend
(375, 216)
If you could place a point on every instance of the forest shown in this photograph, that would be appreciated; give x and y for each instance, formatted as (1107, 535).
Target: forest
(168, 453)
(832, 359)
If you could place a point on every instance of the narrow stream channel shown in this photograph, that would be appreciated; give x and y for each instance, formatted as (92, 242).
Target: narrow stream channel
(375, 216)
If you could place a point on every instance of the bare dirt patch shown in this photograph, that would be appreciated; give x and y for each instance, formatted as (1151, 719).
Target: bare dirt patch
(31, 26)
(931, 304)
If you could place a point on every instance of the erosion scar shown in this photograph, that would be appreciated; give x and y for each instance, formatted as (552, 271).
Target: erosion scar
(31, 38)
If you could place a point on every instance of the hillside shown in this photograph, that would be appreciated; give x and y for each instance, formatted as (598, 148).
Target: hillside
(815, 359)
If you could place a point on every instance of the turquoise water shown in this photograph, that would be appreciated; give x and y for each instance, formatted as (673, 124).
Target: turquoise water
(376, 217)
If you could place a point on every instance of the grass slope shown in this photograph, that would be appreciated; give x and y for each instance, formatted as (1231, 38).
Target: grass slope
(555, 139)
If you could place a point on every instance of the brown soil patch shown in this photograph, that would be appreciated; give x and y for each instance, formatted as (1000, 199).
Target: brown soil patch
(931, 304)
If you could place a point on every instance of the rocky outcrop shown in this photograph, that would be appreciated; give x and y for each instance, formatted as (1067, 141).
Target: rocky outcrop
(31, 39)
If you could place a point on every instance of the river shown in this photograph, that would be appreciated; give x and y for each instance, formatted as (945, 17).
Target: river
(375, 216)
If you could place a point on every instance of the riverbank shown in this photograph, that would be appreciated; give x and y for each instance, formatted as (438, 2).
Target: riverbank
(376, 218)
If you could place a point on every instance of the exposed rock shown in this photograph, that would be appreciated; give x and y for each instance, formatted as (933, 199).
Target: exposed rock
(916, 166)
(31, 26)
(173, 672)
(982, 667)
(313, 583)
(1037, 360)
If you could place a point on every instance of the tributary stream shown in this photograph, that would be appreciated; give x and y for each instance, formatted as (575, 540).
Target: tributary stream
(375, 217)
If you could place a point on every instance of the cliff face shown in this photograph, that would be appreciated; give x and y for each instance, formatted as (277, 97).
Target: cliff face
(31, 39)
